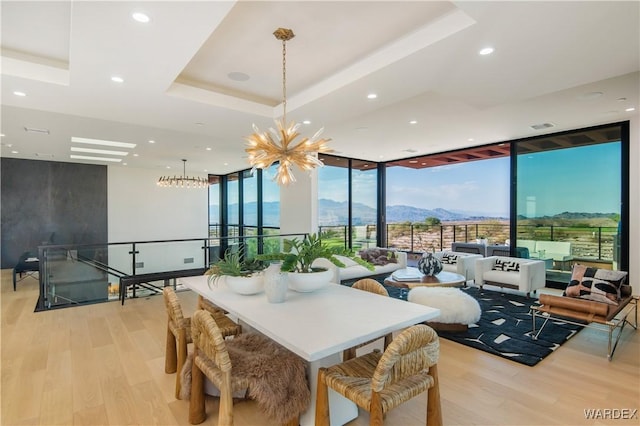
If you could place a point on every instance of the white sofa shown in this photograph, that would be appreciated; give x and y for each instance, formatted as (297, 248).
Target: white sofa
(525, 275)
(353, 271)
(458, 262)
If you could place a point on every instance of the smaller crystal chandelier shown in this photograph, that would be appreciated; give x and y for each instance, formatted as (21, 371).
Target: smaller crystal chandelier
(183, 181)
(266, 148)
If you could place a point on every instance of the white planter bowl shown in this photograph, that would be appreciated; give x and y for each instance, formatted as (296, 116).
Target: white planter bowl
(305, 283)
(245, 285)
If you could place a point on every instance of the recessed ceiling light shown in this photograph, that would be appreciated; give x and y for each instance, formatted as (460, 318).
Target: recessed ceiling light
(208, 148)
(486, 51)
(152, 141)
(168, 167)
(88, 157)
(140, 17)
(226, 164)
(424, 164)
(124, 164)
(306, 122)
(380, 156)
(17, 93)
(14, 152)
(630, 109)
(413, 161)
(117, 79)
(470, 140)
(103, 142)
(1, 135)
(413, 122)
(238, 76)
(372, 96)
(135, 155)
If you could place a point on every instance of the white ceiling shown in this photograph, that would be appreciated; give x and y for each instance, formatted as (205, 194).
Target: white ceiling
(420, 57)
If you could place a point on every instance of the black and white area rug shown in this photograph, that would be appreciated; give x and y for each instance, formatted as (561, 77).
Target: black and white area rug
(505, 328)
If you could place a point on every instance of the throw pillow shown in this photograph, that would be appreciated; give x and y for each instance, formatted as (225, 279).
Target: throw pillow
(449, 259)
(379, 256)
(506, 265)
(601, 285)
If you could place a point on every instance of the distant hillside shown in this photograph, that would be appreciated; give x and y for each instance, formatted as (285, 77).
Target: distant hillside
(336, 213)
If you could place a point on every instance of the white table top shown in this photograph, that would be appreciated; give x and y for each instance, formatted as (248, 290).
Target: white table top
(318, 324)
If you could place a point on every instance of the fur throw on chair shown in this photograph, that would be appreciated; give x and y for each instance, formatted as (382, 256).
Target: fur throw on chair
(277, 377)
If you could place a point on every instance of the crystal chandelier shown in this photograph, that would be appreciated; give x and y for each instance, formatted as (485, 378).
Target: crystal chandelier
(183, 181)
(266, 148)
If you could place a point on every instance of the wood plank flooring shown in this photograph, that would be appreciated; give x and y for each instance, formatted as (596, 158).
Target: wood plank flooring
(104, 365)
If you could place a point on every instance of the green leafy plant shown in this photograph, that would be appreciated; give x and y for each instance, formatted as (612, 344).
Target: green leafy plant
(235, 265)
(299, 254)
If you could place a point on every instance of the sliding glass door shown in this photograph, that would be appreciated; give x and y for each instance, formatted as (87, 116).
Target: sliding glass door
(569, 199)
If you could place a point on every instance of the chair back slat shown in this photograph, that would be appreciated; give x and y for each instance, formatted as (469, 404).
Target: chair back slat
(371, 285)
(412, 351)
(172, 303)
(208, 339)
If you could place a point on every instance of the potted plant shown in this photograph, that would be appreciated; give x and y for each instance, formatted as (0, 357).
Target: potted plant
(298, 256)
(243, 276)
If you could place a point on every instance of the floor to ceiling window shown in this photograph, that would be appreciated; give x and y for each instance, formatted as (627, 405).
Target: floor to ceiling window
(434, 200)
(347, 201)
(333, 198)
(569, 198)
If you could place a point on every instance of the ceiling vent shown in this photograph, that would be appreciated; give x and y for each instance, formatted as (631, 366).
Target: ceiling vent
(542, 126)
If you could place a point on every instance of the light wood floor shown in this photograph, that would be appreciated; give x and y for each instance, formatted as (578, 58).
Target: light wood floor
(104, 364)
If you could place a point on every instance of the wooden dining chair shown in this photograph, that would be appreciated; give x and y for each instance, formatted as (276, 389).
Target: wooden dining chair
(372, 286)
(179, 333)
(378, 382)
(211, 360)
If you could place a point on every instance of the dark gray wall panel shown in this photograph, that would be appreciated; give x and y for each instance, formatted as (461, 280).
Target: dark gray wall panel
(47, 202)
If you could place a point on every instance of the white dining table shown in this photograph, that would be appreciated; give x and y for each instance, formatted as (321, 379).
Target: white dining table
(317, 326)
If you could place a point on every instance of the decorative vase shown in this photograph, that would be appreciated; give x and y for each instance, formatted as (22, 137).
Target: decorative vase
(429, 265)
(310, 281)
(252, 284)
(275, 284)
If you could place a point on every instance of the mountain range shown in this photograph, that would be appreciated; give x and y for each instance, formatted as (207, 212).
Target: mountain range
(336, 213)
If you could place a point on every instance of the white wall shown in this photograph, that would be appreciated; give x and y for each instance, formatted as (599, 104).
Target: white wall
(299, 204)
(634, 203)
(139, 210)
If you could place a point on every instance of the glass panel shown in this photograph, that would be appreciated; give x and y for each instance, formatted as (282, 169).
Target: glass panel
(233, 211)
(569, 198)
(333, 198)
(435, 200)
(364, 199)
(270, 210)
(214, 217)
(250, 211)
(75, 275)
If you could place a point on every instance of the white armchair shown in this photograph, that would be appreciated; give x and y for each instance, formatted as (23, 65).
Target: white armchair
(458, 262)
(525, 275)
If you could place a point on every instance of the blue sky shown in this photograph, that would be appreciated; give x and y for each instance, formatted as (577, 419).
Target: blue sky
(477, 186)
(585, 180)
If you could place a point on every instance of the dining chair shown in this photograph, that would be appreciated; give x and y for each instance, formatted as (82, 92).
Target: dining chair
(378, 382)
(179, 332)
(372, 286)
(211, 359)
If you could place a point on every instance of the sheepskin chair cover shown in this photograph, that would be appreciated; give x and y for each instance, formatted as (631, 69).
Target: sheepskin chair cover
(277, 377)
